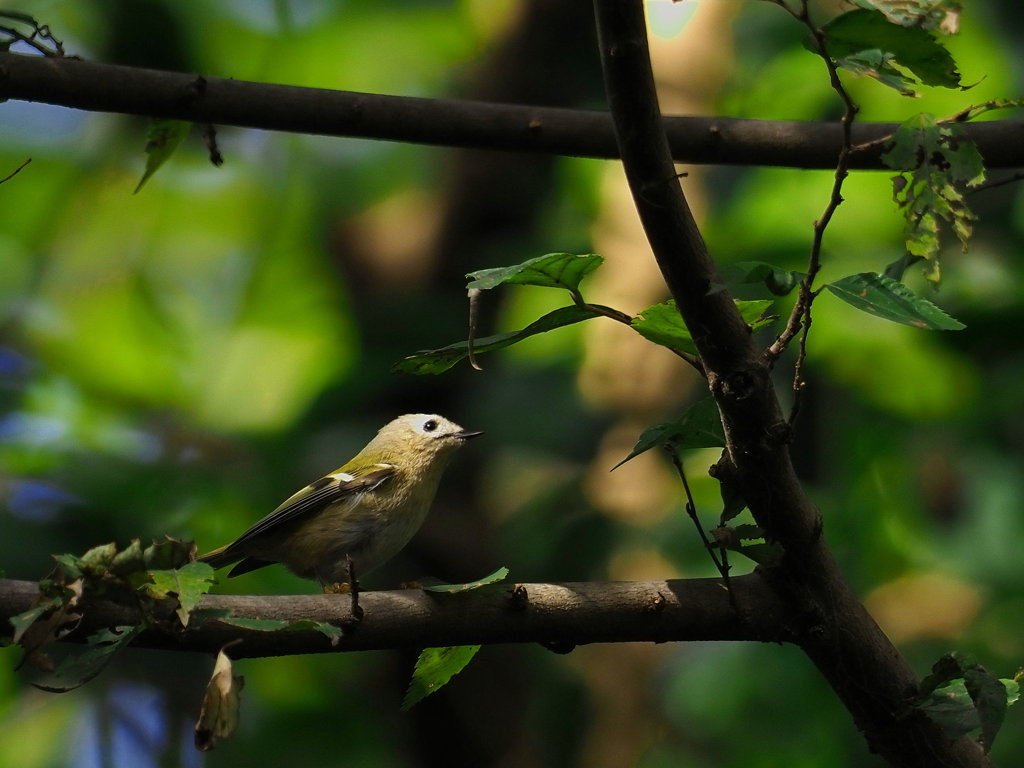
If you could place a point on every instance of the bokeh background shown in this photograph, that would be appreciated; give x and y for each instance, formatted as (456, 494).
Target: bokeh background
(180, 360)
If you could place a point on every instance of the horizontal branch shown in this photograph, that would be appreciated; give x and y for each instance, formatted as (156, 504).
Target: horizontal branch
(583, 133)
(557, 615)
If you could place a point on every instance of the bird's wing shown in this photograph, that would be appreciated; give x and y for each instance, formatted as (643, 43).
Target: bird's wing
(317, 495)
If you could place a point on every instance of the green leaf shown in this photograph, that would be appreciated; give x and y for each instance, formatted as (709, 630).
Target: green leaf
(732, 499)
(555, 270)
(129, 560)
(878, 65)
(777, 280)
(79, 668)
(884, 297)
(663, 324)
(950, 706)
(188, 583)
(961, 696)
(990, 700)
(24, 18)
(700, 426)
(98, 559)
(914, 48)
(168, 553)
(258, 625)
(331, 632)
(70, 566)
(434, 668)
(492, 578)
(440, 360)
(943, 15)
(163, 138)
(23, 621)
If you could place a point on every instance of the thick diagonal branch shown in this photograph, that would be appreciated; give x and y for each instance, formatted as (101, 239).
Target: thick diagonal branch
(868, 674)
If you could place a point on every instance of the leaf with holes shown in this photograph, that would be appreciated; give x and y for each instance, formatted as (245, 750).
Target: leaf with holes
(79, 668)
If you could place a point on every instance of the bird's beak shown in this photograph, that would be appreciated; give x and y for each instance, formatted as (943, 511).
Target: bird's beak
(466, 435)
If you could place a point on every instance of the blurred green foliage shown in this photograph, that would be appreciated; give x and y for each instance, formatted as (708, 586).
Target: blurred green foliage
(178, 361)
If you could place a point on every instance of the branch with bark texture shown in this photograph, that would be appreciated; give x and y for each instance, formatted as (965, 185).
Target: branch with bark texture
(871, 678)
(446, 122)
(556, 615)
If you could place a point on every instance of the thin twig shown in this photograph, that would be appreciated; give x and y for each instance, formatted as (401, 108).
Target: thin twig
(16, 171)
(43, 32)
(691, 510)
(800, 318)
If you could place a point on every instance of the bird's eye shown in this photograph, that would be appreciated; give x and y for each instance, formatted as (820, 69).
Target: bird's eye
(430, 425)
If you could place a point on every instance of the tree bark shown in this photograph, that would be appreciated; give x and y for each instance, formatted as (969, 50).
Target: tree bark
(98, 87)
(559, 616)
(875, 683)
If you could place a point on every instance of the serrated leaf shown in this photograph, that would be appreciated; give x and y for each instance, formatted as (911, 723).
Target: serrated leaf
(98, 559)
(168, 553)
(777, 280)
(663, 324)
(554, 270)
(700, 426)
(886, 298)
(188, 584)
(492, 578)
(440, 360)
(434, 668)
(79, 668)
(913, 48)
(129, 560)
(218, 717)
(164, 136)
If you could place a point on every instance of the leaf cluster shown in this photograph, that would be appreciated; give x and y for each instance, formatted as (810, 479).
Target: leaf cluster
(962, 696)
(136, 576)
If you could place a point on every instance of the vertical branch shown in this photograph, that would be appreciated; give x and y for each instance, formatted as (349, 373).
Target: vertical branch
(868, 674)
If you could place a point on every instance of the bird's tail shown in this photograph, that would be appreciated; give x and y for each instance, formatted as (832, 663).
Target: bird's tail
(220, 557)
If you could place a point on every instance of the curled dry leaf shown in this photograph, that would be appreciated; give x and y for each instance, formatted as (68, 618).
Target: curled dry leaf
(218, 717)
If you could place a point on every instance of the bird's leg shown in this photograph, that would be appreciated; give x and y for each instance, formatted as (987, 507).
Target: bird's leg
(350, 587)
(353, 589)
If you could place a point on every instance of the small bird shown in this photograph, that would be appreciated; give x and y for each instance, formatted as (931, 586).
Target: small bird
(357, 517)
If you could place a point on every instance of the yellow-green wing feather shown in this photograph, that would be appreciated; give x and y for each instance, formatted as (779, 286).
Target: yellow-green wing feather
(315, 496)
